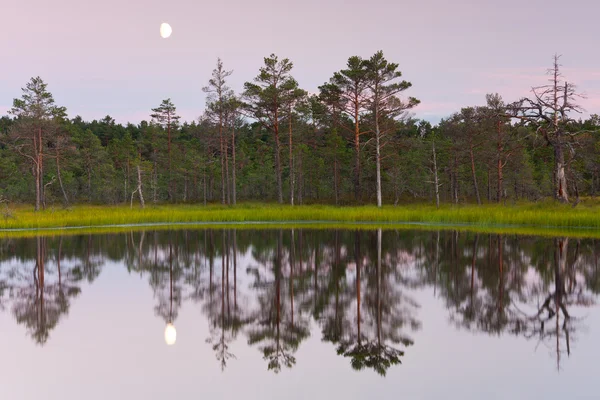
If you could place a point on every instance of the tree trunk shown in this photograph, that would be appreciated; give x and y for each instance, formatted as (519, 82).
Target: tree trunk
(185, 188)
(38, 199)
(227, 191)
(233, 183)
(300, 178)
(41, 168)
(222, 148)
(561, 179)
(455, 175)
(278, 162)
(378, 162)
(335, 179)
(204, 186)
(169, 151)
(139, 186)
(476, 187)
(291, 159)
(435, 176)
(357, 193)
(377, 146)
(62, 188)
(154, 179)
(500, 166)
(89, 183)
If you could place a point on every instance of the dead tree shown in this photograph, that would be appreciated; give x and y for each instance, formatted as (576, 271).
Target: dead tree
(549, 111)
(435, 182)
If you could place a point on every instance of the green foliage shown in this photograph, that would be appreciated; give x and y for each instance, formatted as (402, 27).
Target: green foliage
(333, 159)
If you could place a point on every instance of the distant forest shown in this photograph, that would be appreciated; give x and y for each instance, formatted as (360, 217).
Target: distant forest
(355, 142)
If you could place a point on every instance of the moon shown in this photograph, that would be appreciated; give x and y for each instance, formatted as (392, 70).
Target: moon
(165, 30)
(170, 334)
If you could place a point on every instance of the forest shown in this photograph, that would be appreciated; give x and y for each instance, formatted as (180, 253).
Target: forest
(355, 141)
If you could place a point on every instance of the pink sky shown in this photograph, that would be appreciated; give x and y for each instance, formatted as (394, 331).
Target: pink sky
(106, 57)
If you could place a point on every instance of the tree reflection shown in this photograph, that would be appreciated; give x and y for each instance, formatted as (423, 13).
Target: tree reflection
(389, 311)
(226, 316)
(528, 295)
(41, 296)
(274, 328)
(355, 287)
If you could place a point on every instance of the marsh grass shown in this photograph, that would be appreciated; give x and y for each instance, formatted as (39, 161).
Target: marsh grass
(538, 217)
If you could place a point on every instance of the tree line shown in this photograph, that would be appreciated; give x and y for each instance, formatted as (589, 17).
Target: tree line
(354, 288)
(353, 142)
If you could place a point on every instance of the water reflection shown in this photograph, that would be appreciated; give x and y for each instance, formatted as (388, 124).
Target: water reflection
(355, 289)
(38, 288)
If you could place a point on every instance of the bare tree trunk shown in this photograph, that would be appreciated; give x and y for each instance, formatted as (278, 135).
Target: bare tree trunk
(169, 151)
(291, 158)
(474, 174)
(500, 148)
(227, 191)
(233, 183)
(561, 179)
(154, 179)
(222, 157)
(139, 187)
(62, 187)
(435, 176)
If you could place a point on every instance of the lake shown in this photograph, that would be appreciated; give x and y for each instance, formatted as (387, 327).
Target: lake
(296, 314)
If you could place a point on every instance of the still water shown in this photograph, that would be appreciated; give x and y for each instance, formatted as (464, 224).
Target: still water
(299, 314)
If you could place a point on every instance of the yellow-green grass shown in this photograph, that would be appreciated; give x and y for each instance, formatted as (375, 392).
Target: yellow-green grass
(546, 218)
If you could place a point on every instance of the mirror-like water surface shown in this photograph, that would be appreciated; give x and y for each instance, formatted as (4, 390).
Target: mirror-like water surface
(298, 314)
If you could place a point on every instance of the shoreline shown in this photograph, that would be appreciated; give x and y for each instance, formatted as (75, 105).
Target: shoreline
(529, 219)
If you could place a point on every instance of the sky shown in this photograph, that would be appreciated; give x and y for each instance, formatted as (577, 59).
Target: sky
(107, 58)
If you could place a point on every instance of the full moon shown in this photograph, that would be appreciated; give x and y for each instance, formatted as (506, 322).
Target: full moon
(165, 30)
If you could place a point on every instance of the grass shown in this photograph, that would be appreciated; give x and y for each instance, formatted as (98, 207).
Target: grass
(532, 218)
